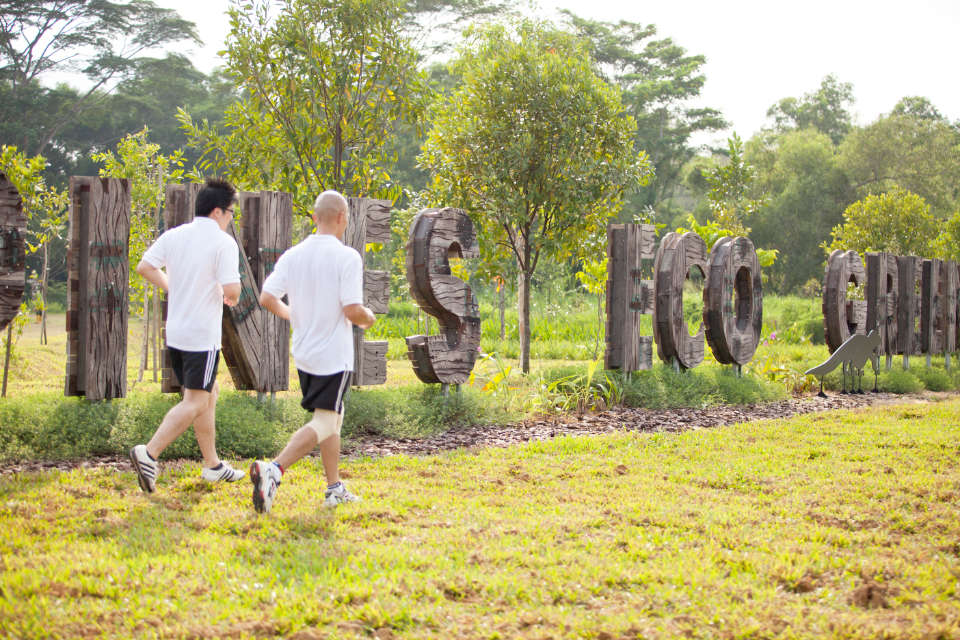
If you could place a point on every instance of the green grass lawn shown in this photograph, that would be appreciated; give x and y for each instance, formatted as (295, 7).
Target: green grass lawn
(831, 525)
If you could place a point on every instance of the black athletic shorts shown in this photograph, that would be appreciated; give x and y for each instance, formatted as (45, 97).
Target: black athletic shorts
(195, 369)
(324, 392)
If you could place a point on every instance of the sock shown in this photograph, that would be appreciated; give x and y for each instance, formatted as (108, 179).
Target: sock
(277, 465)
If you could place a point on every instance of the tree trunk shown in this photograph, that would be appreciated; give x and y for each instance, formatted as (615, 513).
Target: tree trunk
(503, 306)
(155, 327)
(523, 308)
(6, 360)
(43, 295)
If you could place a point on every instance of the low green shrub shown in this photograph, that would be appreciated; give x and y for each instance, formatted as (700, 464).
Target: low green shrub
(899, 381)
(936, 379)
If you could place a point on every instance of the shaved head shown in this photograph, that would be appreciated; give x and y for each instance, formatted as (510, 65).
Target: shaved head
(328, 207)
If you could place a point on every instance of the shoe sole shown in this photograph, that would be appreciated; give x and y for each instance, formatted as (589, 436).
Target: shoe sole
(142, 479)
(257, 494)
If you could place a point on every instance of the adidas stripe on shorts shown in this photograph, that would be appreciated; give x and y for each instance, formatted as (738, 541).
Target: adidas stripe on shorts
(324, 392)
(195, 369)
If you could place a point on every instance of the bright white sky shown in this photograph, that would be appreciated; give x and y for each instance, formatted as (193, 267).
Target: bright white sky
(759, 51)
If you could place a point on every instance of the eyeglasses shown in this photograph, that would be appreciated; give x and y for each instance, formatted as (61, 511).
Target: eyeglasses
(228, 210)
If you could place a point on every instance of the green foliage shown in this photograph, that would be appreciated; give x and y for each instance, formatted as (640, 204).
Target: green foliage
(899, 381)
(659, 80)
(713, 230)
(919, 154)
(535, 146)
(936, 379)
(947, 243)
(897, 221)
(729, 185)
(149, 171)
(806, 192)
(325, 83)
(826, 110)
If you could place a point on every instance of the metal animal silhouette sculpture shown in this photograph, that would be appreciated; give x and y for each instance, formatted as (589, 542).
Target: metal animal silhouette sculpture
(853, 355)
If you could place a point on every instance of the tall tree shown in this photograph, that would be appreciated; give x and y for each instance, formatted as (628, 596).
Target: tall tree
(659, 79)
(324, 84)
(918, 153)
(105, 41)
(826, 110)
(805, 193)
(535, 145)
(897, 221)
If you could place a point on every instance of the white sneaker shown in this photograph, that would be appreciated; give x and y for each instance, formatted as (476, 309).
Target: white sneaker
(338, 495)
(224, 473)
(146, 468)
(265, 477)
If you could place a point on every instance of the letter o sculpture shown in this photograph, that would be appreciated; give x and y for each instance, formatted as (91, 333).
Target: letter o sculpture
(676, 255)
(841, 317)
(733, 334)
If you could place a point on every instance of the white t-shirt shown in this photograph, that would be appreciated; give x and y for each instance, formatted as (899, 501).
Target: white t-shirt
(320, 276)
(199, 258)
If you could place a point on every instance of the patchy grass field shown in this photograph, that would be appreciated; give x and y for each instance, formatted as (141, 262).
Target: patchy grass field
(836, 525)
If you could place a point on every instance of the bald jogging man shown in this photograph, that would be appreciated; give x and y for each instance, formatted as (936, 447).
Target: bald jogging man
(197, 264)
(323, 280)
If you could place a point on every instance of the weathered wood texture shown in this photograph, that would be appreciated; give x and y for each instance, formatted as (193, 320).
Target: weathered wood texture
(242, 327)
(882, 299)
(842, 318)
(266, 231)
(13, 229)
(932, 317)
(436, 235)
(629, 296)
(97, 293)
(733, 301)
(179, 206)
(909, 282)
(369, 223)
(675, 257)
(951, 283)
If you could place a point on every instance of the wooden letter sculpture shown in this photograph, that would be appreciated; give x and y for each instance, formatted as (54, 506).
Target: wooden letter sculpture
(436, 235)
(13, 228)
(938, 302)
(266, 229)
(242, 324)
(733, 335)
(369, 223)
(841, 317)
(675, 257)
(882, 303)
(909, 281)
(97, 292)
(629, 296)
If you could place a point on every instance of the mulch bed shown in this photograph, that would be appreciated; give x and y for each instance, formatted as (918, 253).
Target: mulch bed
(543, 428)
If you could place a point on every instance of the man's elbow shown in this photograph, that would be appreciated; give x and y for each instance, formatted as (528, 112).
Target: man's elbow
(143, 268)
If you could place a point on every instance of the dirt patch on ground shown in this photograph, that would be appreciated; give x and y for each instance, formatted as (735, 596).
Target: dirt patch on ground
(546, 427)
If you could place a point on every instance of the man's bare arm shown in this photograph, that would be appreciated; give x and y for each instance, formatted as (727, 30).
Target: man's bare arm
(359, 315)
(231, 294)
(275, 305)
(153, 275)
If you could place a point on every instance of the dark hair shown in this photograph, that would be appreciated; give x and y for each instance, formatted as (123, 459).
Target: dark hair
(216, 193)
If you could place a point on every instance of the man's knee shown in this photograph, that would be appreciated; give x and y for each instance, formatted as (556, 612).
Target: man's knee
(325, 424)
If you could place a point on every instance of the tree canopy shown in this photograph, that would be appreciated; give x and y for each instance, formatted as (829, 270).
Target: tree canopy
(535, 145)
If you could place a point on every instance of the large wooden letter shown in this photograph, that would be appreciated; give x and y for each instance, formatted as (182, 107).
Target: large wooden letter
(242, 324)
(436, 235)
(628, 296)
(266, 229)
(882, 303)
(675, 257)
(910, 278)
(932, 310)
(841, 317)
(13, 228)
(369, 223)
(97, 292)
(733, 336)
